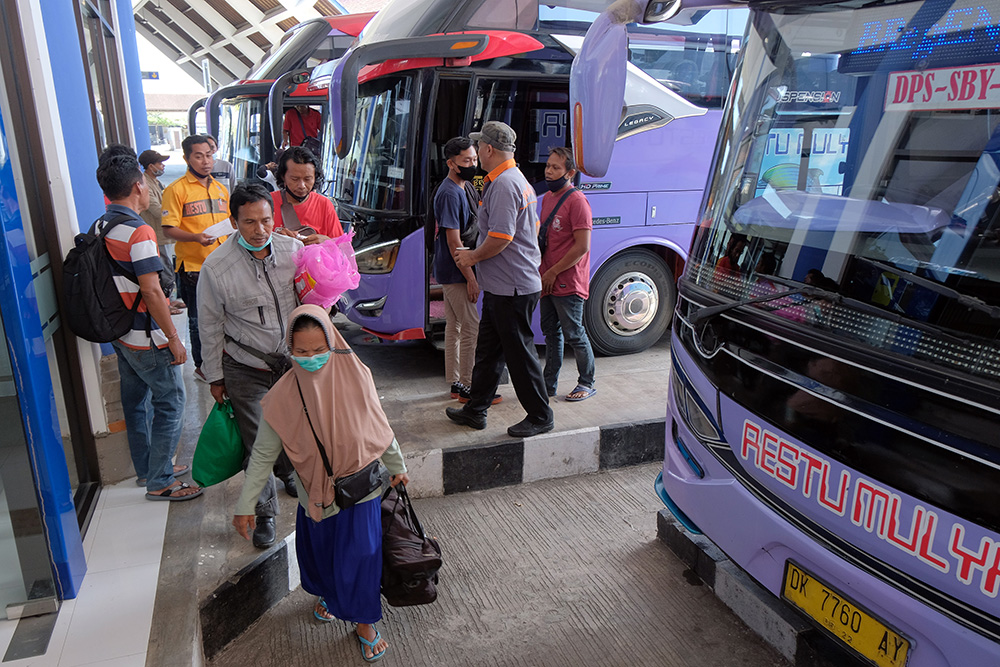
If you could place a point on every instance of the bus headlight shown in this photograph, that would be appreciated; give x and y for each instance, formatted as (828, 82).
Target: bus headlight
(691, 411)
(379, 258)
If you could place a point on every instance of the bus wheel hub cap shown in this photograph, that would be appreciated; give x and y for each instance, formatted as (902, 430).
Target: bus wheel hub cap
(630, 304)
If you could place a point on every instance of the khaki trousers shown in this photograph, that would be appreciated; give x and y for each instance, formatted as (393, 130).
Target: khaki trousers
(460, 334)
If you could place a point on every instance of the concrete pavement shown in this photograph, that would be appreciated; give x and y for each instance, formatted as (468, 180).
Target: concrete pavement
(557, 572)
(213, 585)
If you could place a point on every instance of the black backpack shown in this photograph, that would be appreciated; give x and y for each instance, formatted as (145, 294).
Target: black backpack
(95, 310)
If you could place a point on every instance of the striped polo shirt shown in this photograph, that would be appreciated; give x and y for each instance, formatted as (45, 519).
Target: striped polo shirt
(192, 207)
(132, 246)
(508, 212)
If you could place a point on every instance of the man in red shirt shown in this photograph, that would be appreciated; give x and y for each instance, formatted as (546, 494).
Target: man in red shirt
(299, 177)
(564, 239)
(297, 119)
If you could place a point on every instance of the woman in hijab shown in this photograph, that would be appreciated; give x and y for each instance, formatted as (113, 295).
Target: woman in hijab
(328, 400)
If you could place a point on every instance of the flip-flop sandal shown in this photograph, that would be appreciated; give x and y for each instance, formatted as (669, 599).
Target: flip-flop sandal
(371, 645)
(178, 470)
(169, 493)
(580, 389)
(322, 603)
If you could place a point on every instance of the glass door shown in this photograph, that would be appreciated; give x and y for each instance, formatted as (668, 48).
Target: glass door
(25, 572)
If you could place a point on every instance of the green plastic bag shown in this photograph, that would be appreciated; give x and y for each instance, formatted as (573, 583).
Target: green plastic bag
(219, 454)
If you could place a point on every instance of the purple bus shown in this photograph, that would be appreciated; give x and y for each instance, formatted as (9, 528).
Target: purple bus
(425, 72)
(835, 394)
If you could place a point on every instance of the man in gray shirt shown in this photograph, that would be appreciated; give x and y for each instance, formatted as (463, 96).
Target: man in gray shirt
(245, 294)
(507, 260)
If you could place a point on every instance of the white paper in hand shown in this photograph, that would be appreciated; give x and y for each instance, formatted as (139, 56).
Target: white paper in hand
(221, 228)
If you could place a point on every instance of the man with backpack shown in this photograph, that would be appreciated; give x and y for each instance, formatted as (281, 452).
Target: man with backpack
(150, 352)
(454, 216)
(300, 127)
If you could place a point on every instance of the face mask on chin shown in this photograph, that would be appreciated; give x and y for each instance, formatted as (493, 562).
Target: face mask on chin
(556, 185)
(243, 242)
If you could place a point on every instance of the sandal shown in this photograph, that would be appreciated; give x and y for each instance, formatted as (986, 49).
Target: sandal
(580, 389)
(322, 603)
(371, 644)
(178, 471)
(168, 494)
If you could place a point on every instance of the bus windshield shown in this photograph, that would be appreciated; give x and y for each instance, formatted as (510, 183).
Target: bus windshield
(240, 121)
(869, 168)
(373, 175)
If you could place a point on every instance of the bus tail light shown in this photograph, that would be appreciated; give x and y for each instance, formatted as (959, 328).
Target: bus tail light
(379, 258)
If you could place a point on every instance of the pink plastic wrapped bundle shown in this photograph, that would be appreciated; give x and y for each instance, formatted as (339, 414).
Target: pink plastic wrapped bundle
(326, 270)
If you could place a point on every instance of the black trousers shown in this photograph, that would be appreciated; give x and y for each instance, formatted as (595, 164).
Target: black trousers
(246, 386)
(505, 337)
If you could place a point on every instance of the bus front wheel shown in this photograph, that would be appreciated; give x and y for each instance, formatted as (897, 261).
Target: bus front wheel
(631, 302)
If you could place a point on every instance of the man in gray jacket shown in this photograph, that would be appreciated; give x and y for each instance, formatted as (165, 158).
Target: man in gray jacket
(245, 295)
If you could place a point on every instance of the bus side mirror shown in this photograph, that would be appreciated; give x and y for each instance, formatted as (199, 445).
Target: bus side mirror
(597, 87)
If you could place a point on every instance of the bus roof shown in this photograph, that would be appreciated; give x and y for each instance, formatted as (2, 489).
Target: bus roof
(299, 43)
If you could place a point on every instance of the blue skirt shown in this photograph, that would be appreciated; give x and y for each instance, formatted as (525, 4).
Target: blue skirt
(340, 560)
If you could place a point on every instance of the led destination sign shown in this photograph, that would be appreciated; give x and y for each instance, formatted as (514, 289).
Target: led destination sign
(939, 32)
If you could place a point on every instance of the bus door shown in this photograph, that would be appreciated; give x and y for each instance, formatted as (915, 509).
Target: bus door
(448, 119)
(536, 109)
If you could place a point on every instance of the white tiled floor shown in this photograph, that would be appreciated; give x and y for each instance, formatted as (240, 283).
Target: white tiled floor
(108, 623)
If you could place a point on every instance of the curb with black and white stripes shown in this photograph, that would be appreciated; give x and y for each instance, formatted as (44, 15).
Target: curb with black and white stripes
(250, 593)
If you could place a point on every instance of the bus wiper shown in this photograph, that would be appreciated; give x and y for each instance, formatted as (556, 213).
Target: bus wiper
(707, 312)
(970, 302)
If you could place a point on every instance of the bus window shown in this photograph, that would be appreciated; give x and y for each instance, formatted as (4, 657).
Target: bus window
(697, 67)
(447, 121)
(538, 113)
(240, 124)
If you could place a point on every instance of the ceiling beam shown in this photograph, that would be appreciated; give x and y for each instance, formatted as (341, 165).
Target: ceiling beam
(227, 30)
(257, 20)
(184, 47)
(166, 47)
(236, 68)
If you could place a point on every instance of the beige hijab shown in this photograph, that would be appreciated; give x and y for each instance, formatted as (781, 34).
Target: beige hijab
(344, 410)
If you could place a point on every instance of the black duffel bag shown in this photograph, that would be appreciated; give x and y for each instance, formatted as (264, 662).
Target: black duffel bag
(410, 559)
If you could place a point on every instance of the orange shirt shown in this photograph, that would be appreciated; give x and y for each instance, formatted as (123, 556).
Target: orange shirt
(192, 207)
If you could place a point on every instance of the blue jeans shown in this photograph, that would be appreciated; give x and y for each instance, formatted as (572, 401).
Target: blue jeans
(153, 402)
(563, 316)
(187, 289)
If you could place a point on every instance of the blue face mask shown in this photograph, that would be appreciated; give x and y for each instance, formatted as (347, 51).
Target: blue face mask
(243, 242)
(313, 363)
